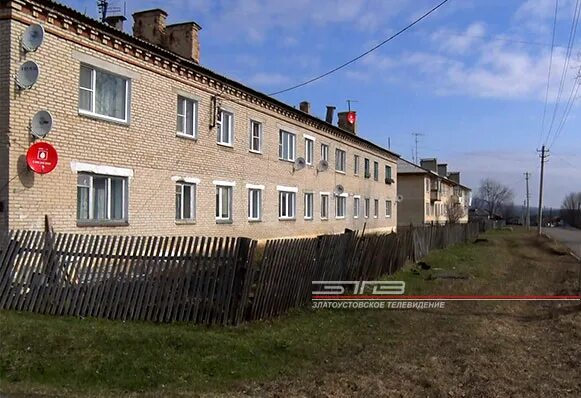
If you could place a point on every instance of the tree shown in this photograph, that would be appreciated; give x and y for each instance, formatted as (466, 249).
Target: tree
(492, 195)
(508, 210)
(454, 211)
(571, 209)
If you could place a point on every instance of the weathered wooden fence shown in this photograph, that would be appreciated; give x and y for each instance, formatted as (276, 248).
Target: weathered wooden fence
(197, 279)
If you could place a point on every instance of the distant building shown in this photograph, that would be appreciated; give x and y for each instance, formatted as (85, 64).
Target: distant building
(151, 142)
(430, 194)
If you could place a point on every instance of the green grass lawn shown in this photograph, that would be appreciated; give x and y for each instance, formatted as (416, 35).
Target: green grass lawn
(71, 356)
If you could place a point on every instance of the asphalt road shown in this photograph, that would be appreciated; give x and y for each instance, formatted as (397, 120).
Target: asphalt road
(570, 237)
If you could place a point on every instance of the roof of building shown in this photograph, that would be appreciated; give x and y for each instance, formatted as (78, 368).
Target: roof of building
(111, 31)
(406, 167)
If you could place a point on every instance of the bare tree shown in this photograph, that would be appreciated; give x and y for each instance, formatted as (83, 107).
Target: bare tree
(571, 209)
(508, 210)
(493, 195)
(454, 211)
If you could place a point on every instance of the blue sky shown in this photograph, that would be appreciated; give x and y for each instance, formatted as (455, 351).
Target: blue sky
(478, 100)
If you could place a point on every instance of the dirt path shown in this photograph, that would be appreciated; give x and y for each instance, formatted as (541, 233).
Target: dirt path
(516, 349)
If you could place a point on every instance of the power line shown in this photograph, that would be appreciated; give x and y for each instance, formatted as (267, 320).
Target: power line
(549, 73)
(365, 53)
(568, 107)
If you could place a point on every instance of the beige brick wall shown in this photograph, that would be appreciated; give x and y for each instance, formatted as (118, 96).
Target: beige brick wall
(149, 146)
(4, 119)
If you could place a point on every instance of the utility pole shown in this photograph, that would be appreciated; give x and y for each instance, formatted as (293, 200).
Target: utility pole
(528, 213)
(416, 139)
(544, 154)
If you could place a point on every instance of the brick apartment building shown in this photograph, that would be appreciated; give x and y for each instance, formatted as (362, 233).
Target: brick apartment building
(150, 142)
(431, 194)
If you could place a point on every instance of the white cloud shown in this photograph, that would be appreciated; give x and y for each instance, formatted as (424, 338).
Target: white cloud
(264, 79)
(460, 43)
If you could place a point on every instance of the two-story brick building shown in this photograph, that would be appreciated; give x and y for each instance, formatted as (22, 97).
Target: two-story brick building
(151, 142)
(431, 194)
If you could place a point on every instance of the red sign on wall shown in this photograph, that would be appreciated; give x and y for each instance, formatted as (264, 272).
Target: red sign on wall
(351, 117)
(42, 158)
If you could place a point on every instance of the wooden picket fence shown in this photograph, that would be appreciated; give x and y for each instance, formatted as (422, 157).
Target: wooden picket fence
(204, 280)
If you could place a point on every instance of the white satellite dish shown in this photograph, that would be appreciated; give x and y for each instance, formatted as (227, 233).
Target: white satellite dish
(339, 189)
(33, 37)
(323, 165)
(41, 124)
(27, 75)
(399, 198)
(299, 164)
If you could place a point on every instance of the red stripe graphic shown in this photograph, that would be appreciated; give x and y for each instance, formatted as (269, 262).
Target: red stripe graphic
(443, 297)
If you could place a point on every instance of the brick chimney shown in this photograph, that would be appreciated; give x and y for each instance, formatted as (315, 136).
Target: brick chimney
(454, 176)
(345, 125)
(183, 39)
(330, 114)
(430, 164)
(116, 21)
(305, 106)
(443, 170)
(150, 26)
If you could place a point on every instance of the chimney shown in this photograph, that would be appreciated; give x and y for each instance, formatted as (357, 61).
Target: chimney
(330, 114)
(454, 176)
(305, 106)
(345, 125)
(116, 21)
(183, 39)
(430, 164)
(443, 170)
(150, 26)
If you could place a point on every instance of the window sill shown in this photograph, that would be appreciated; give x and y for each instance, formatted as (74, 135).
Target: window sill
(255, 152)
(339, 172)
(185, 222)
(223, 221)
(225, 145)
(96, 116)
(102, 223)
(308, 218)
(340, 218)
(252, 221)
(187, 136)
(324, 219)
(287, 219)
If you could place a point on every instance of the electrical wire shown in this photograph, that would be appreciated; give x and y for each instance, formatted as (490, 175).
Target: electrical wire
(568, 107)
(549, 74)
(399, 32)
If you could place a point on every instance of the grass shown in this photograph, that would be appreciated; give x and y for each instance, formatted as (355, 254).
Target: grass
(90, 357)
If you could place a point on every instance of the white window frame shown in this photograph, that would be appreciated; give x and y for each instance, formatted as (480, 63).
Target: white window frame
(220, 123)
(251, 136)
(366, 168)
(251, 198)
(124, 199)
(193, 200)
(220, 189)
(366, 206)
(326, 207)
(375, 171)
(290, 210)
(290, 139)
(356, 206)
(92, 90)
(325, 152)
(356, 165)
(375, 208)
(183, 114)
(388, 208)
(340, 160)
(309, 150)
(308, 197)
(341, 201)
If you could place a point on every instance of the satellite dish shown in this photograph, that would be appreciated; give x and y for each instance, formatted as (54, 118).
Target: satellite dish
(41, 124)
(33, 37)
(299, 164)
(27, 75)
(399, 198)
(323, 165)
(339, 189)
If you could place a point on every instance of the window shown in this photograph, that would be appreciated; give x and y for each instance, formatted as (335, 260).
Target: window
(356, 164)
(388, 208)
(375, 171)
(325, 152)
(187, 122)
(387, 171)
(308, 206)
(339, 160)
(185, 201)
(427, 209)
(375, 208)
(223, 203)
(255, 136)
(356, 206)
(225, 128)
(366, 208)
(254, 204)
(309, 145)
(101, 198)
(366, 166)
(427, 185)
(286, 205)
(340, 206)
(103, 94)
(324, 206)
(286, 145)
